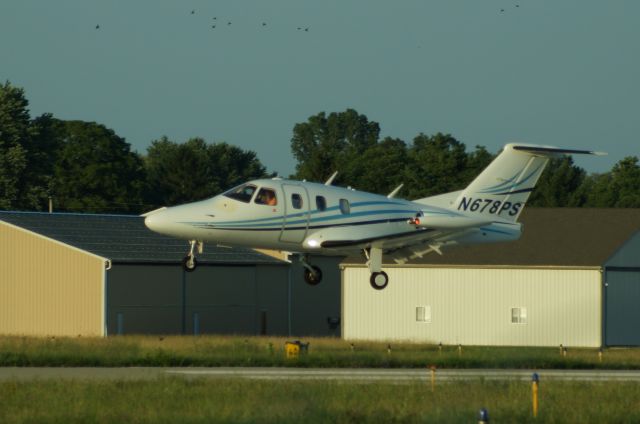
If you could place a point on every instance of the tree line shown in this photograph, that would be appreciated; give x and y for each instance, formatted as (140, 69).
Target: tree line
(87, 167)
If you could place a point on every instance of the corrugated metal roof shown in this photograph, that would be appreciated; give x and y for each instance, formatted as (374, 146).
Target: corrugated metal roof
(551, 237)
(124, 238)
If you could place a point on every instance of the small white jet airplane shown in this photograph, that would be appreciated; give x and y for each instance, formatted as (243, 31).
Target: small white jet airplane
(305, 217)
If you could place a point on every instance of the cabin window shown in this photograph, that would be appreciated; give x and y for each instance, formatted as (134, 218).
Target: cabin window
(243, 193)
(519, 315)
(321, 203)
(345, 208)
(296, 201)
(266, 196)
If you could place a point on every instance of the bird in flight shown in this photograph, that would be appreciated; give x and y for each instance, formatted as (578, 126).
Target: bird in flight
(193, 12)
(97, 26)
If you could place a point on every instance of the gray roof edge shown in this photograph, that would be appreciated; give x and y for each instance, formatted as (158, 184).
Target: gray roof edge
(475, 266)
(56, 241)
(202, 262)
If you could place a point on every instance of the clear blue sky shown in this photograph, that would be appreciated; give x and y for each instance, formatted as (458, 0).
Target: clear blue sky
(564, 73)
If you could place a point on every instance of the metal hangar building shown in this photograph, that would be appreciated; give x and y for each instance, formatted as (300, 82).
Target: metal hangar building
(573, 279)
(96, 275)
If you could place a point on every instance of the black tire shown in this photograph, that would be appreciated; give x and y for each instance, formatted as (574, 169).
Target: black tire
(313, 278)
(185, 264)
(379, 280)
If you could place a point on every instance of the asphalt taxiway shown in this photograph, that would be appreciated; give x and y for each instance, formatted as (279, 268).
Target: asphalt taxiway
(335, 374)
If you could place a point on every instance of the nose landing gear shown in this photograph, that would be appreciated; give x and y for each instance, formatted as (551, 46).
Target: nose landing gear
(312, 274)
(189, 262)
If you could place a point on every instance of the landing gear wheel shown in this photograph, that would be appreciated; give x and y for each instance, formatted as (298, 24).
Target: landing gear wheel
(379, 280)
(189, 263)
(313, 278)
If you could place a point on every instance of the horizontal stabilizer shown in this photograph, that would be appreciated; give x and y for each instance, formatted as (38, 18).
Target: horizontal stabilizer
(555, 150)
(452, 222)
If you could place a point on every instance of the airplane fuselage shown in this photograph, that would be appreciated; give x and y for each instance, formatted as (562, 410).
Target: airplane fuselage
(307, 217)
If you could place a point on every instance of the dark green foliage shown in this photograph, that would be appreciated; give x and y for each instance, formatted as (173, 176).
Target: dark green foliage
(619, 188)
(179, 173)
(96, 171)
(436, 165)
(348, 142)
(559, 185)
(325, 144)
(43, 147)
(86, 167)
(381, 167)
(14, 133)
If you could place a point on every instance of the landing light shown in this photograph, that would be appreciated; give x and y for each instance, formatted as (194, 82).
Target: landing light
(313, 243)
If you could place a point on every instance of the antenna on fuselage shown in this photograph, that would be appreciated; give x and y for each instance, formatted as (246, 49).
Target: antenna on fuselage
(395, 191)
(331, 178)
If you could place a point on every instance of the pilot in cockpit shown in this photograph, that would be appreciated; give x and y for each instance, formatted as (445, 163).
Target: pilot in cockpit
(267, 197)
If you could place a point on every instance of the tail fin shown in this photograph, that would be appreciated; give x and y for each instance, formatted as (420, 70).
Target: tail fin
(502, 189)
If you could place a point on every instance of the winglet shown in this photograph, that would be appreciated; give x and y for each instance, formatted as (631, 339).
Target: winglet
(331, 178)
(395, 191)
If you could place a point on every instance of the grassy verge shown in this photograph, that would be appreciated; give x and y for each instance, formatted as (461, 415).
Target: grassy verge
(269, 351)
(191, 401)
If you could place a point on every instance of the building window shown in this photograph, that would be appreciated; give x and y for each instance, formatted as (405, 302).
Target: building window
(519, 315)
(321, 203)
(423, 314)
(345, 208)
(296, 201)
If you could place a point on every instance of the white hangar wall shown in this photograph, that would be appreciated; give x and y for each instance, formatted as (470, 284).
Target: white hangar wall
(475, 306)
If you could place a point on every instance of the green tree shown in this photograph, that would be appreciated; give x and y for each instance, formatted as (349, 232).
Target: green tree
(42, 146)
(436, 164)
(96, 171)
(325, 144)
(382, 167)
(619, 188)
(14, 132)
(477, 161)
(179, 173)
(559, 185)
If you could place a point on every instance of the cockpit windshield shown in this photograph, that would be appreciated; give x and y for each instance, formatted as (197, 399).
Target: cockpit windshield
(243, 193)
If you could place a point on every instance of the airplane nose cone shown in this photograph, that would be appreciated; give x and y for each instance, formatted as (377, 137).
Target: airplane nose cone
(153, 221)
(156, 220)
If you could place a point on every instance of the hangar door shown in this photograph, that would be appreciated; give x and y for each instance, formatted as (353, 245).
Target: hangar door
(163, 299)
(622, 309)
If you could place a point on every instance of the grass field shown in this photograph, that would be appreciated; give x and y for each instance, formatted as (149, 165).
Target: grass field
(269, 351)
(171, 400)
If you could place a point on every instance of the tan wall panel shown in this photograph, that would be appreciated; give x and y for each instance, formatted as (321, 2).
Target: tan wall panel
(47, 288)
(473, 306)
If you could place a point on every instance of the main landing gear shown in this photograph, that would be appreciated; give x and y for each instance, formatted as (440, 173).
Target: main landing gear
(312, 274)
(189, 262)
(379, 279)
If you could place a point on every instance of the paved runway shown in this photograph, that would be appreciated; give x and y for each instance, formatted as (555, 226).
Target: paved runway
(358, 375)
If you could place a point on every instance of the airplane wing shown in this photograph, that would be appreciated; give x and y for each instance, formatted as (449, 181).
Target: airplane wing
(416, 240)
